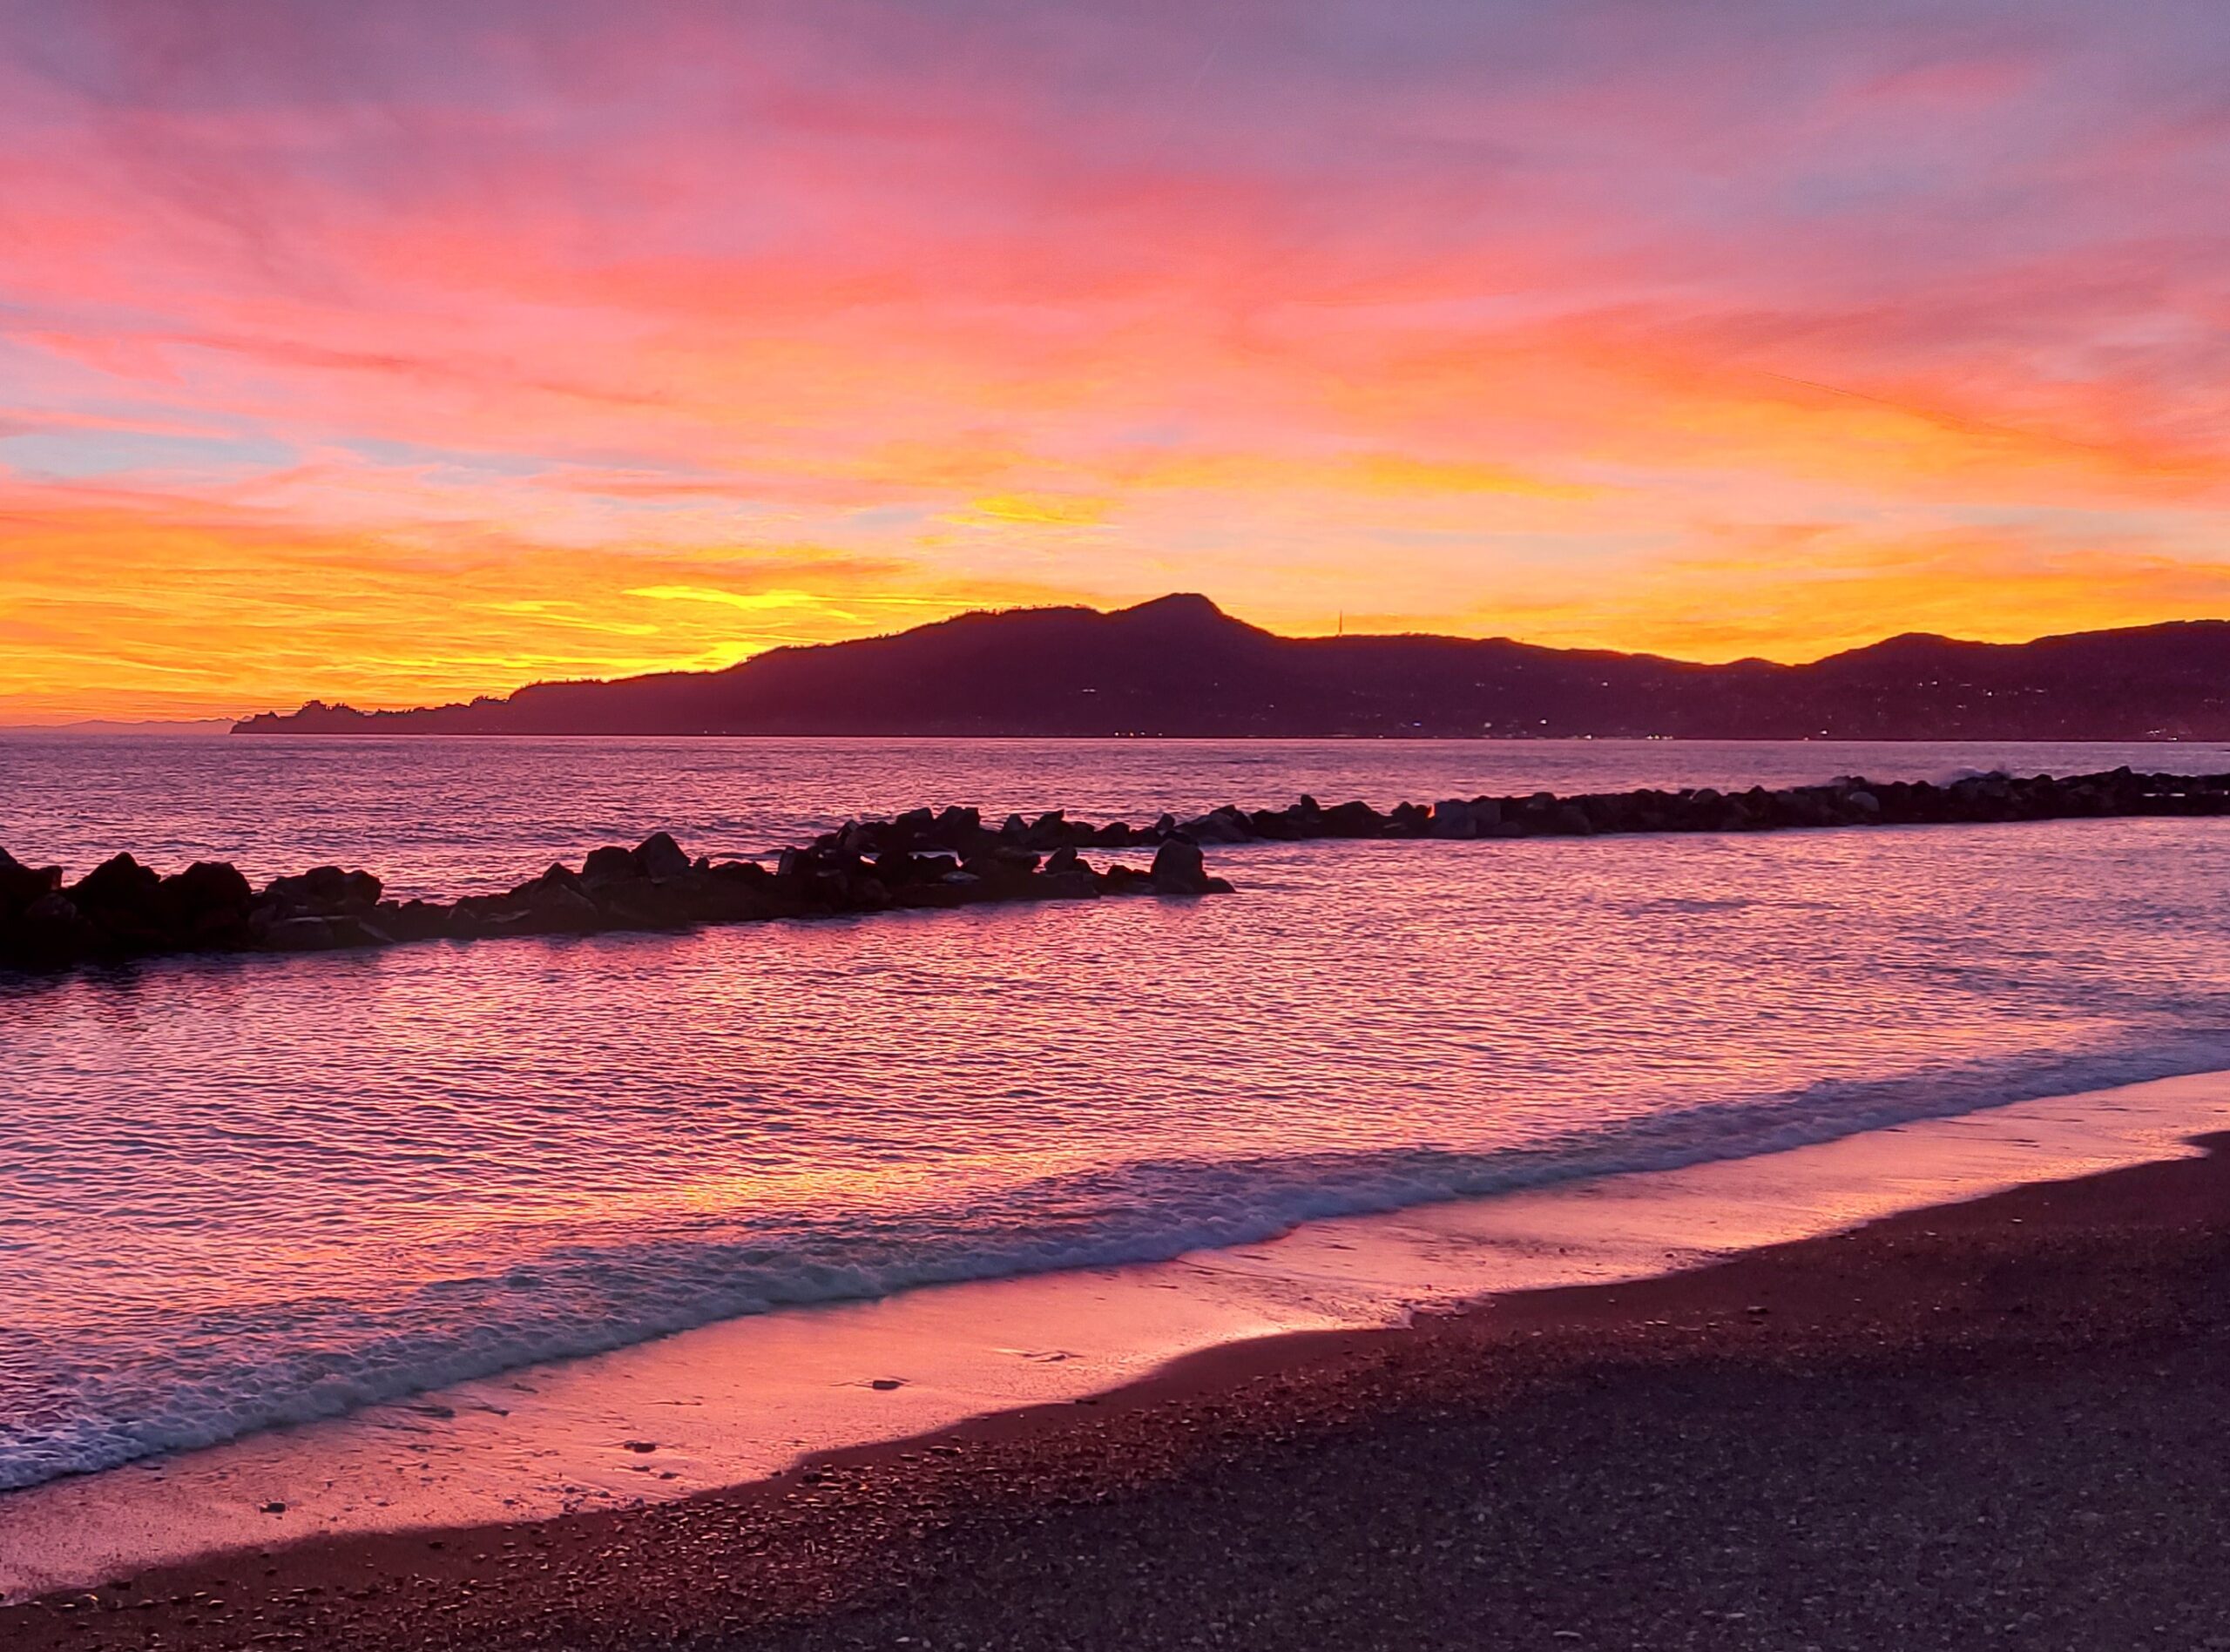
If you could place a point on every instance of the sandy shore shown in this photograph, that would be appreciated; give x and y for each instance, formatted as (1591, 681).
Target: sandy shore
(740, 1401)
(1995, 1422)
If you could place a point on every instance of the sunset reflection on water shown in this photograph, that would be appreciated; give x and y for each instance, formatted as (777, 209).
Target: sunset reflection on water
(242, 1190)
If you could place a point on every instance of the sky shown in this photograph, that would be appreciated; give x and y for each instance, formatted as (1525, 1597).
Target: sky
(397, 353)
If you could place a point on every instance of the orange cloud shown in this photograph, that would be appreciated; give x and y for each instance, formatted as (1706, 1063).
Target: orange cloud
(391, 363)
(217, 616)
(1834, 589)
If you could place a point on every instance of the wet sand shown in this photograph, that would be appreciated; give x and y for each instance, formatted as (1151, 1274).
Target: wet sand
(740, 1401)
(1994, 1423)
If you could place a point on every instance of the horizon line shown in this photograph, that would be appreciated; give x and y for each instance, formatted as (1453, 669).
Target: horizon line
(82, 723)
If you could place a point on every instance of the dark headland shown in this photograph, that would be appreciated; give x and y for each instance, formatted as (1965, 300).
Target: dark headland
(1178, 667)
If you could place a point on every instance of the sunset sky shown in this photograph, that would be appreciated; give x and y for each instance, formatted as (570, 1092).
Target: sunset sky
(394, 353)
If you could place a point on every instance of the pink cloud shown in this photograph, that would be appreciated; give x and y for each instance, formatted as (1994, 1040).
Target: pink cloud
(839, 274)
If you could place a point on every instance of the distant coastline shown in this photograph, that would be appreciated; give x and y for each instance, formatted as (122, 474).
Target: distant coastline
(1180, 667)
(198, 728)
(344, 737)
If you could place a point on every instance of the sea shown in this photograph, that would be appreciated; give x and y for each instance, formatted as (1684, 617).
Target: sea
(239, 1192)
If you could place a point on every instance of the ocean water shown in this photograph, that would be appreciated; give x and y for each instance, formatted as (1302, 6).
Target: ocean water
(450, 817)
(243, 1191)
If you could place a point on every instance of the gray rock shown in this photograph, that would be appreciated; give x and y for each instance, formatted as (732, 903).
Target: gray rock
(1076, 883)
(21, 885)
(1218, 825)
(1453, 817)
(323, 891)
(611, 864)
(1180, 869)
(661, 857)
(307, 934)
(51, 931)
(559, 907)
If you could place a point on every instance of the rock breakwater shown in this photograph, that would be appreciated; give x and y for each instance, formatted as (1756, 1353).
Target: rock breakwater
(122, 910)
(930, 858)
(1852, 802)
(1975, 800)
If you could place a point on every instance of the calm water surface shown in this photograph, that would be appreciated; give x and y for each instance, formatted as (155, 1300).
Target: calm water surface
(236, 1192)
(449, 817)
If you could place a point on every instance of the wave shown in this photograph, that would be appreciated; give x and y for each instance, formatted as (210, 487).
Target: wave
(225, 1376)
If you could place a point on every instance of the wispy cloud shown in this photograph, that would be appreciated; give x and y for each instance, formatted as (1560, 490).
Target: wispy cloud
(382, 324)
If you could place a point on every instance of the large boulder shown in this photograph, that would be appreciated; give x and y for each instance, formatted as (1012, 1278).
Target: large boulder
(1453, 817)
(736, 891)
(552, 908)
(1224, 826)
(48, 933)
(1356, 820)
(1077, 883)
(959, 828)
(412, 920)
(866, 893)
(209, 885)
(1119, 879)
(1049, 831)
(659, 856)
(323, 892)
(308, 932)
(209, 903)
(119, 883)
(611, 864)
(124, 900)
(21, 885)
(1180, 868)
(1003, 871)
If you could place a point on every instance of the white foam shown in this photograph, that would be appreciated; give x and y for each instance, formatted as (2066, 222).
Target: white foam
(580, 1300)
(745, 1398)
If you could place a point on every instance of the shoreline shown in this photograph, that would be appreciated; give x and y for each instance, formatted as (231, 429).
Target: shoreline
(1248, 1391)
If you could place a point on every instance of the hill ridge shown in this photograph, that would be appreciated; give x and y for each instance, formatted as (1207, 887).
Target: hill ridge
(1180, 666)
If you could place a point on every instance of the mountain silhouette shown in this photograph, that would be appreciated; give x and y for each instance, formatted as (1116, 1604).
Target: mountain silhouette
(1178, 666)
